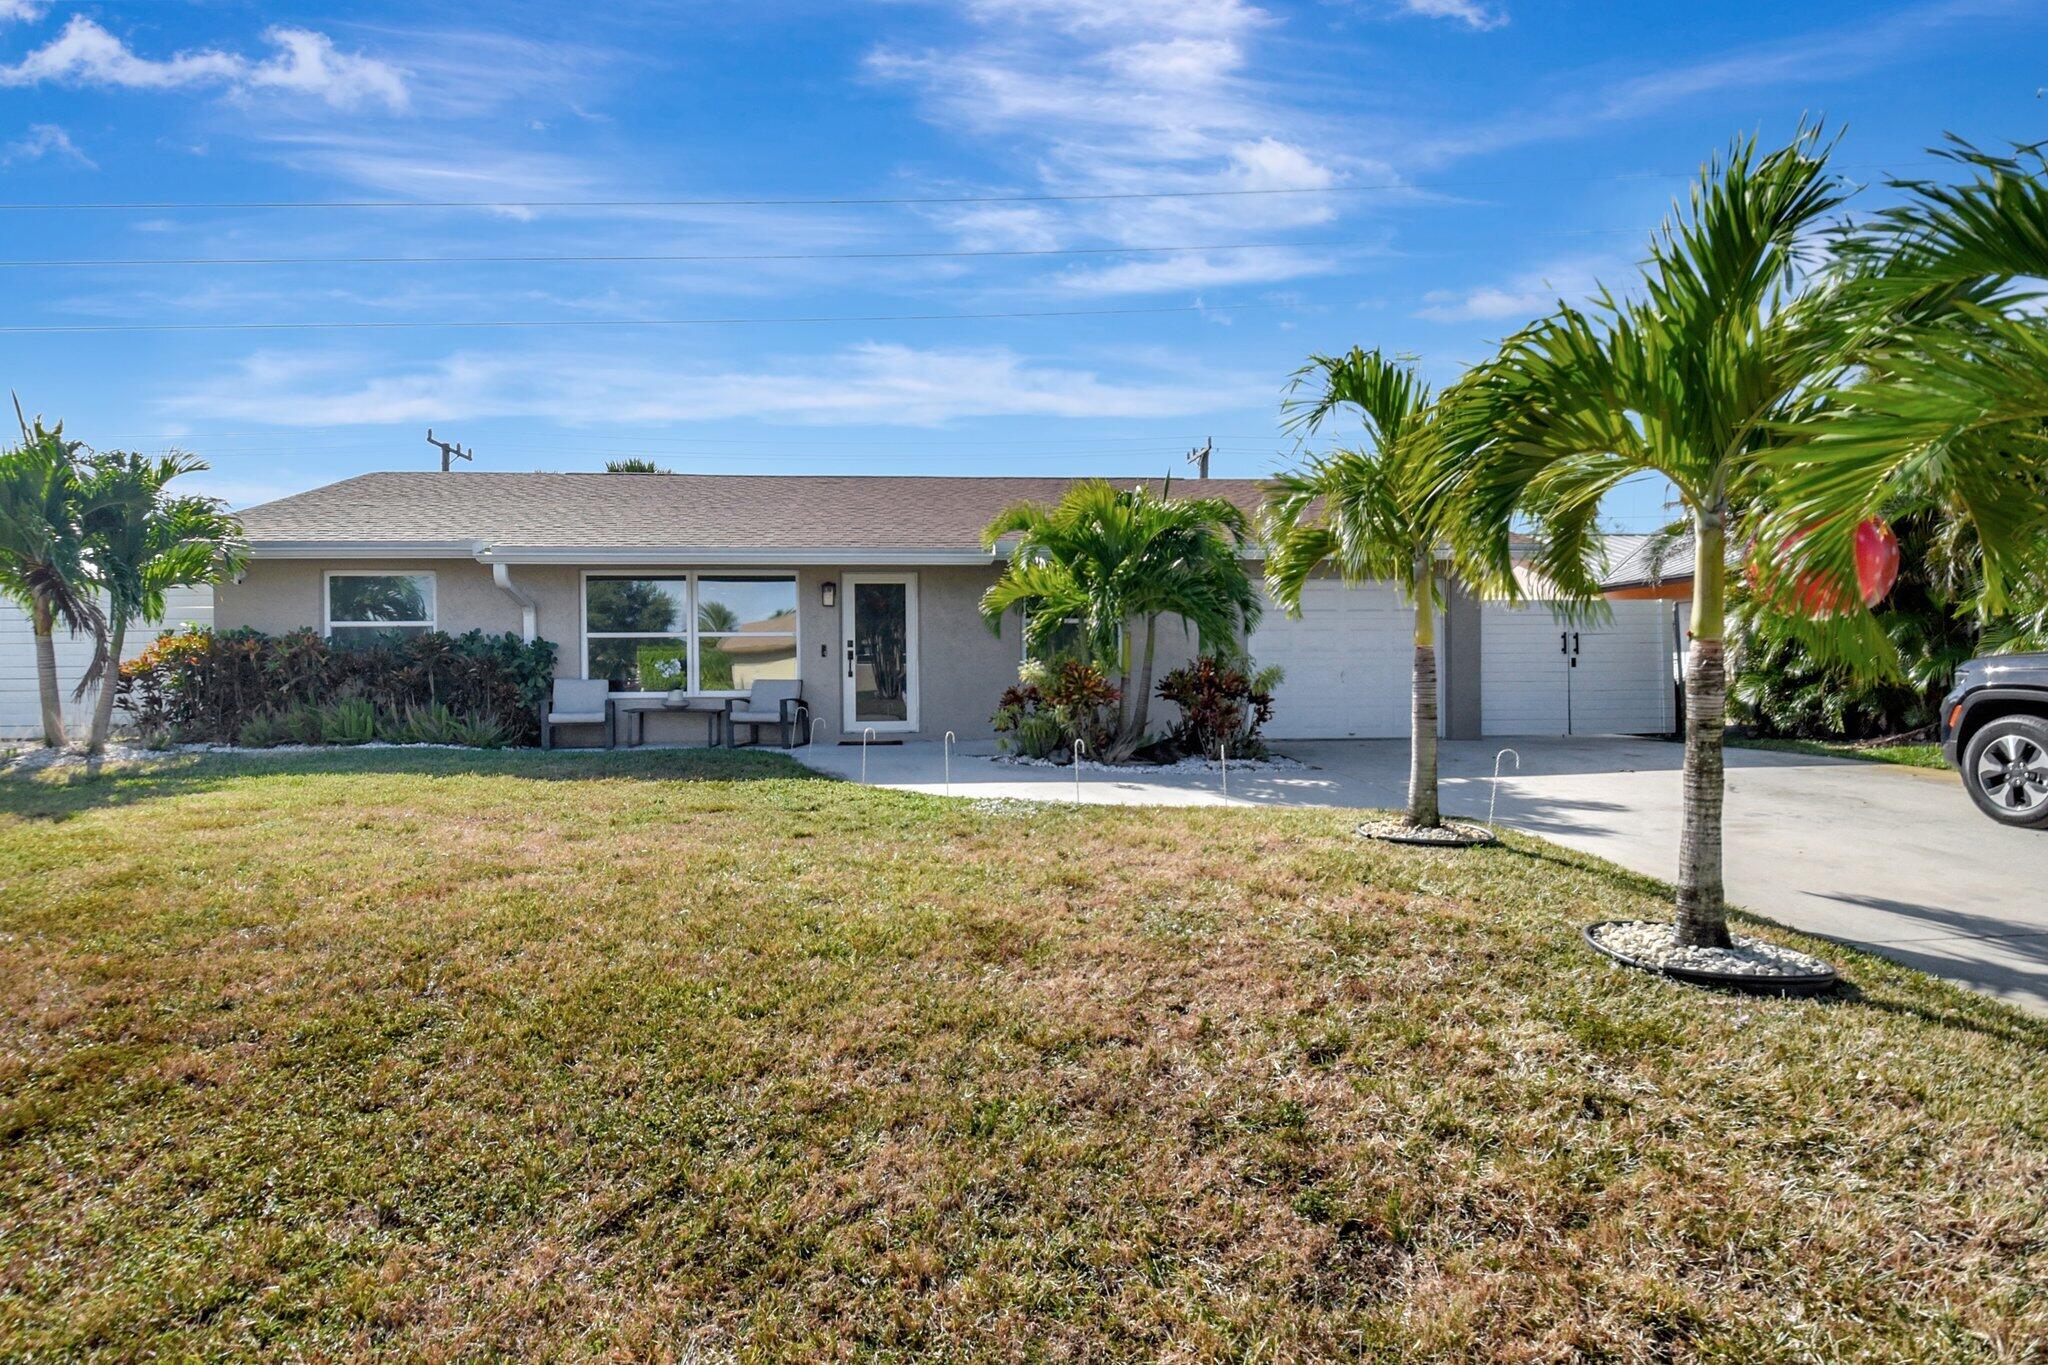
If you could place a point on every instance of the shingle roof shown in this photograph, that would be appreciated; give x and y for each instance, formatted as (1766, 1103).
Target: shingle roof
(482, 511)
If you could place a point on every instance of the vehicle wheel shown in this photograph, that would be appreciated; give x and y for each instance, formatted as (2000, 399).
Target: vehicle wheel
(2005, 769)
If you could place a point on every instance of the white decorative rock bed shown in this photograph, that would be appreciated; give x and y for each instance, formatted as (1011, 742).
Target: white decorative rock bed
(1449, 834)
(27, 759)
(1191, 764)
(1749, 964)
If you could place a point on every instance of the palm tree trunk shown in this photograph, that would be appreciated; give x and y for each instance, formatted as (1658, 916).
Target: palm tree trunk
(43, 621)
(1422, 788)
(1702, 911)
(103, 704)
(1141, 704)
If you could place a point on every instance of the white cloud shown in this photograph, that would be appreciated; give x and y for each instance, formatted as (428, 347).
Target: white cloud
(1194, 270)
(1467, 12)
(432, 165)
(22, 11)
(870, 382)
(1111, 97)
(305, 63)
(1522, 298)
(45, 139)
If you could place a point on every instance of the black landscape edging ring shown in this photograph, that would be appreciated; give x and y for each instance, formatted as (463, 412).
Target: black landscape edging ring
(1804, 983)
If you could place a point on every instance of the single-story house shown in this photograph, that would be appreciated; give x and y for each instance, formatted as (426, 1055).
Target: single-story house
(867, 589)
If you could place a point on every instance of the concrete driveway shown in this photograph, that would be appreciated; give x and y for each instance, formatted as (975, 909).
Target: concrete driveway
(1894, 859)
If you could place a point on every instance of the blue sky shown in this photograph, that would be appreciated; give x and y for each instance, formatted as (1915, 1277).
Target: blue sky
(1450, 166)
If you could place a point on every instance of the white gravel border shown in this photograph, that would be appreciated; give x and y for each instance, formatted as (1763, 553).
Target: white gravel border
(36, 758)
(1190, 764)
(1655, 943)
(1449, 834)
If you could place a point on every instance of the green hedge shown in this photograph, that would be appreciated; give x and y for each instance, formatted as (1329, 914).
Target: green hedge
(202, 686)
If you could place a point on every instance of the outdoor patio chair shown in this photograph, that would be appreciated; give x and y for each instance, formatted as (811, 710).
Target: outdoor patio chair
(779, 703)
(577, 701)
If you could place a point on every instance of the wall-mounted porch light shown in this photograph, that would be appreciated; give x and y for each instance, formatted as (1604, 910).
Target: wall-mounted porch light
(829, 593)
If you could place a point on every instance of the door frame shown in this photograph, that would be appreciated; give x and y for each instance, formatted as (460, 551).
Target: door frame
(913, 658)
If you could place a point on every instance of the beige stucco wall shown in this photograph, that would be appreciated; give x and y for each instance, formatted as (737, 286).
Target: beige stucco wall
(277, 595)
(963, 668)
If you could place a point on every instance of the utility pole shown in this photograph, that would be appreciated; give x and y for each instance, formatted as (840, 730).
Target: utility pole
(450, 451)
(1199, 458)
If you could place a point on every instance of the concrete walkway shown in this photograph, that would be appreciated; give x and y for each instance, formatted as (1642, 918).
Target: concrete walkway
(1890, 858)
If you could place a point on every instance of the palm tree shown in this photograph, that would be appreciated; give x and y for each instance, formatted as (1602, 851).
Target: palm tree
(42, 564)
(1375, 515)
(1730, 341)
(142, 542)
(1950, 409)
(1113, 560)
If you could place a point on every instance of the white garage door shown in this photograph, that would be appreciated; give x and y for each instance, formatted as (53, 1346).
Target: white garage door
(1348, 657)
(21, 715)
(1540, 675)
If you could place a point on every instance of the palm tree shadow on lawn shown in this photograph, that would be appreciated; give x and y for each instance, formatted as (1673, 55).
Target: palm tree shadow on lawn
(1864, 982)
(61, 794)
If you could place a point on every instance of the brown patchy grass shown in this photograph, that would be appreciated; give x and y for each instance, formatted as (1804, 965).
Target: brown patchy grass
(692, 1055)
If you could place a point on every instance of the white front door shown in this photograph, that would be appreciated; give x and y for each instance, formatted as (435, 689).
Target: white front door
(879, 660)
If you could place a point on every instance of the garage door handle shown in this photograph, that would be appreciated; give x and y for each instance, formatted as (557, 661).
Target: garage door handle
(1564, 642)
(1575, 642)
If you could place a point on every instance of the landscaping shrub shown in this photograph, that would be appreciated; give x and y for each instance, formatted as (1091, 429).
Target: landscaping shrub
(1038, 736)
(263, 732)
(352, 720)
(435, 723)
(202, 686)
(1055, 704)
(1223, 705)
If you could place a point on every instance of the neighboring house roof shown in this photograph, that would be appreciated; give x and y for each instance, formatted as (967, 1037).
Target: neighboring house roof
(619, 516)
(1647, 561)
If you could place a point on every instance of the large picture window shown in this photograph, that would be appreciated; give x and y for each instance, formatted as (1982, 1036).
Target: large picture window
(361, 606)
(698, 632)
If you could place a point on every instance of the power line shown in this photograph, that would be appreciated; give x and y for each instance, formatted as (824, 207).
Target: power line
(1166, 445)
(374, 326)
(870, 201)
(652, 257)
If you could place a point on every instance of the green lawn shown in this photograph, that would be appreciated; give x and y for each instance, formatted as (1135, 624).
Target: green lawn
(690, 1054)
(1906, 755)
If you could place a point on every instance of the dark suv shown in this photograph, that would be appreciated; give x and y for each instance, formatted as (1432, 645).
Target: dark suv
(1994, 729)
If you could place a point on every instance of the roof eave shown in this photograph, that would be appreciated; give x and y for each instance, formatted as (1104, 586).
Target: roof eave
(730, 556)
(363, 549)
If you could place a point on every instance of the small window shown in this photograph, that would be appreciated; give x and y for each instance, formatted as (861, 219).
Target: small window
(361, 606)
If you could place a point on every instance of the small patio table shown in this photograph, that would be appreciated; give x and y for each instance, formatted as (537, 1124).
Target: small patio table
(634, 711)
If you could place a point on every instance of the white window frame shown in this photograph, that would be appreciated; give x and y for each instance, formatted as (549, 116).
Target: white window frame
(692, 578)
(328, 623)
(913, 646)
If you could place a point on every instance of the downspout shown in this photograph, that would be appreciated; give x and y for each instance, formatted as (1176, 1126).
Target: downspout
(501, 574)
